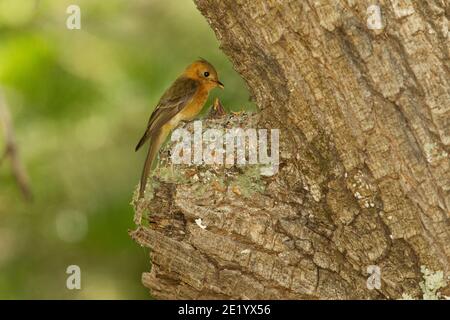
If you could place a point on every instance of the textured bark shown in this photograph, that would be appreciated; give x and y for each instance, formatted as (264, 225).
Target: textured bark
(364, 177)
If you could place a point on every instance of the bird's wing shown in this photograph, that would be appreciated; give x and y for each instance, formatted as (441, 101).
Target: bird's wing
(173, 101)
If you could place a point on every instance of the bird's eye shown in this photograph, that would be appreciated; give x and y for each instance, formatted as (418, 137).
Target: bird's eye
(206, 74)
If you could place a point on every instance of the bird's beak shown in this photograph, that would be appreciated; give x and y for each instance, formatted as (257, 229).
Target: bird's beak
(220, 84)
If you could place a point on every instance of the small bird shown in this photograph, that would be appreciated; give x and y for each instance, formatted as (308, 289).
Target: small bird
(181, 102)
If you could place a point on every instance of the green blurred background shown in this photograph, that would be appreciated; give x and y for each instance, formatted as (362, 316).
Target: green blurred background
(80, 100)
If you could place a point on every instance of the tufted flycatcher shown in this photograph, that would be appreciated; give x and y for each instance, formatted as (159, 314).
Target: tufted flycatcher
(181, 102)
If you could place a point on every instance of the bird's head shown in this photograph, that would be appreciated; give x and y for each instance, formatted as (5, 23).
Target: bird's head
(204, 72)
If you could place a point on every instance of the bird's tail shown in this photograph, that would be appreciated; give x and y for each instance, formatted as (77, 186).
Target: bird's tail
(156, 140)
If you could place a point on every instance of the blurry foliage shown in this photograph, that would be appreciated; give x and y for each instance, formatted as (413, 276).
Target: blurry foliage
(30, 66)
(80, 100)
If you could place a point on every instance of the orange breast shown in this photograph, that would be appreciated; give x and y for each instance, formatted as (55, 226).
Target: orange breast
(192, 109)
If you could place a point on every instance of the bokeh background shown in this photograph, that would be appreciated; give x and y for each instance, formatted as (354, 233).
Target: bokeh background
(80, 100)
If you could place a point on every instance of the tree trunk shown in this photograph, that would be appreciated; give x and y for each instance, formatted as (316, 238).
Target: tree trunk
(364, 119)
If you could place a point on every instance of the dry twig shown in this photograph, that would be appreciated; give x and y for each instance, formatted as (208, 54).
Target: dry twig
(11, 151)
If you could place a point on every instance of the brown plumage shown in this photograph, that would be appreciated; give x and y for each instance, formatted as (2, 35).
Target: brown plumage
(181, 102)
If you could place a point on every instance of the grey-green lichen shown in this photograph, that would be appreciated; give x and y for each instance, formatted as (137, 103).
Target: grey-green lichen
(249, 182)
(171, 174)
(407, 296)
(432, 282)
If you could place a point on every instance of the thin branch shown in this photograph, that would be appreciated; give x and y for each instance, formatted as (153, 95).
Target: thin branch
(11, 151)
(4, 155)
